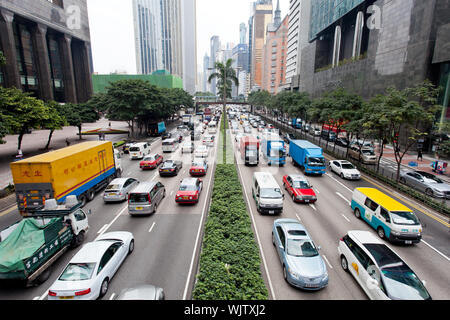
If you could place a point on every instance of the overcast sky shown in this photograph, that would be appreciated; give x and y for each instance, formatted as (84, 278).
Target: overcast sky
(112, 33)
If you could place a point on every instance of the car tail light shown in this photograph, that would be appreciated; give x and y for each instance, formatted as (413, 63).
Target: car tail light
(83, 293)
(51, 293)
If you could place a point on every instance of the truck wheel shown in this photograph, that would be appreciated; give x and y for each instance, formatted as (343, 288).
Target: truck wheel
(43, 276)
(90, 194)
(82, 198)
(78, 240)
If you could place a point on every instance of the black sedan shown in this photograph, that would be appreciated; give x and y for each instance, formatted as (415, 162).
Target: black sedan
(170, 168)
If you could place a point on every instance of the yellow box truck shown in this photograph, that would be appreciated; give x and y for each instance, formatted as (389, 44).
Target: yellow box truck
(79, 170)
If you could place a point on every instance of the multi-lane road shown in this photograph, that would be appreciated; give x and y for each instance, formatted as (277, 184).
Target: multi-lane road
(166, 243)
(329, 219)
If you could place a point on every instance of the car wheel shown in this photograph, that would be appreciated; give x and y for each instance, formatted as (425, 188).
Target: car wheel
(381, 233)
(429, 192)
(342, 175)
(104, 288)
(293, 197)
(357, 213)
(344, 263)
(402, 180)
(131, 247)
(284, 273)
(273, 239)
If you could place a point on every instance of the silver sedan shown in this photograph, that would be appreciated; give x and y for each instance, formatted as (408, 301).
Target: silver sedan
(118, 189)
(426, 182)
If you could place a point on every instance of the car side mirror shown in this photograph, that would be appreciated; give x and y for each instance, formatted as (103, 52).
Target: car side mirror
(281, 247)
(319, 247)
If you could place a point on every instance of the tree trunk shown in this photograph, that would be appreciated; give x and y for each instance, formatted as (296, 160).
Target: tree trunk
(381, 155)
(49, 139)
(79, 132)
(22, 133)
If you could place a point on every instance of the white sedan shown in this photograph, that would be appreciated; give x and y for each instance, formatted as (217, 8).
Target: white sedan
(88, 274)
(201, 152)
(187, 147)
(345, 169)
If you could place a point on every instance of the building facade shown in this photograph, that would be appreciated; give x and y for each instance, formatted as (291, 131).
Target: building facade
(275, 56)
(165, 38)
(262, 17)
(368, 45)
(240, 65)
(47, 48)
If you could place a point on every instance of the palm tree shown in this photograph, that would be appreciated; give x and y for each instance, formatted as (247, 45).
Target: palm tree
(225, 76)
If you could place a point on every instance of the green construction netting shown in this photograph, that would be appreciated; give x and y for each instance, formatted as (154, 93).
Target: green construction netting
(23, 242)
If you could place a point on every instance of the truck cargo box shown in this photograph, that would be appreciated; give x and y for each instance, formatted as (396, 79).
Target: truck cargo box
(75, 170)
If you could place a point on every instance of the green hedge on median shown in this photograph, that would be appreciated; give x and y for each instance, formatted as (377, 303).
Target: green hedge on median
(230, 265)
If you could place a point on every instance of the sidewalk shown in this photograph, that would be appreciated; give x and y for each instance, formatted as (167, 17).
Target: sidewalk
(411, 156)
(34, 143)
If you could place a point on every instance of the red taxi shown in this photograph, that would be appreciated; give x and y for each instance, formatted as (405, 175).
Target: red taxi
(151, 161)
(299, 188)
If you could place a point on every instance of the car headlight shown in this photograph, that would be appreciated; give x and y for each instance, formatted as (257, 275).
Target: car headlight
(395, 233)
(294, 274)
(325, 277)
(437, 191)
(299, 197)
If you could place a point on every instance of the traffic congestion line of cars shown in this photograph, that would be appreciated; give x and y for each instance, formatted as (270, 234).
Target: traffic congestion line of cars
(380, 272)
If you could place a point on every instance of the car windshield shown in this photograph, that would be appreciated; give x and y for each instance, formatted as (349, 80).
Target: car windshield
(348, 166)
(272, 193)
(402, 283)
(134, 149)
(301, 248)
(138, 197)
(431, 177)
(301, 185)
(188, 187)
(149, 158)
(316, 162)
(112, 187)
(404, 218)
(77, 272)
(368, 152)
(198, 164)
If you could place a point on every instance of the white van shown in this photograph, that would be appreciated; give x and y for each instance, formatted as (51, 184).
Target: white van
(212, 127)
(391, 219)
(169, 145)
(139, 150)
(267, 193)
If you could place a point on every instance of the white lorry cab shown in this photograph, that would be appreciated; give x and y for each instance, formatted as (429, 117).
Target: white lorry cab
(267, 193)
(391, 219)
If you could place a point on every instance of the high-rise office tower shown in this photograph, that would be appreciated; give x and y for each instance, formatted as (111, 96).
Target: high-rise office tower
(262, 17)
(206, 73)
(242, 33)
(47, 50)
(215, 48)
(165, 37)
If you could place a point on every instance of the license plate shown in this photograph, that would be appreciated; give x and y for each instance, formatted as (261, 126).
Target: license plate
(408, 241)
(111, 194)
(139, 208)
(165, 170)
(271, 211)
(306, 201)
(186, 198)
(308, 285)
(65, 298)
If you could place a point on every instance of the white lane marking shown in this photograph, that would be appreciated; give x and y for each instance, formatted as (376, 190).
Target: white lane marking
(171, 193)
(443, 255)
(346, 218)
(326, 260)
(331, 177)
(317, 190)
(298, 218)
(151, 228)
(112, 296)
(257, 237)
(313, 206)
(340, 195)
(102, 228)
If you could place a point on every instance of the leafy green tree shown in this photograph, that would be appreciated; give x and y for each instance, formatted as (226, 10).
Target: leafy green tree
(410, 114)
(56, 120)
(225, 76)
(77, 114)
(23, 112)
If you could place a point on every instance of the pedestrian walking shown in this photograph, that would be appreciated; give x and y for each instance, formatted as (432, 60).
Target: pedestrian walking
(419, 155)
